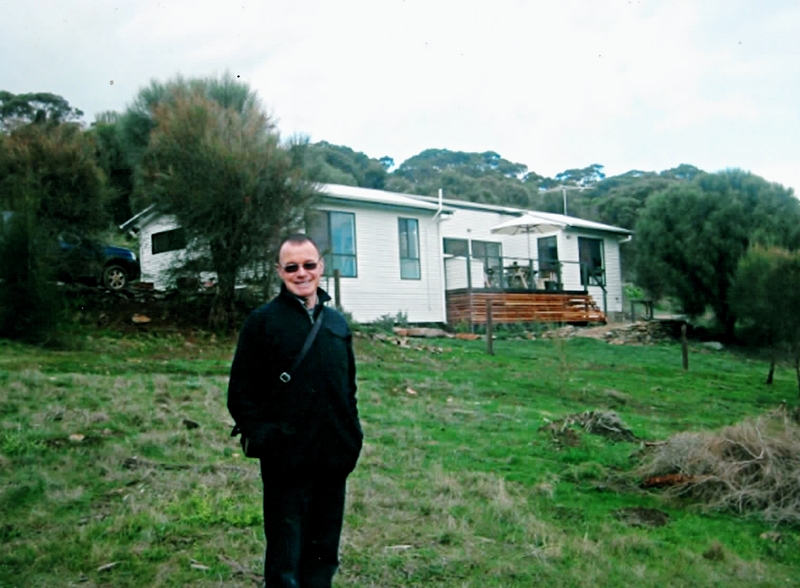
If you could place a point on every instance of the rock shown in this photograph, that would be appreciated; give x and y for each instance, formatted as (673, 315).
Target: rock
(425, 332)
(638, 333)
(715, 345)
(616, 395)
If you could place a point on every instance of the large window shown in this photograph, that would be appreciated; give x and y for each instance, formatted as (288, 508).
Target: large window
(456, 247)
(408, 229)
(548, 254)
(168, 241)
(590, 253)
(335, 234)
(491, 255)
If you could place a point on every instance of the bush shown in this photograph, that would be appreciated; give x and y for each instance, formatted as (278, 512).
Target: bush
(750, 467)
(31, 307)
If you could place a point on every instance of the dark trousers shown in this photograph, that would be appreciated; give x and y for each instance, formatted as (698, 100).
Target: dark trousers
(302, 523)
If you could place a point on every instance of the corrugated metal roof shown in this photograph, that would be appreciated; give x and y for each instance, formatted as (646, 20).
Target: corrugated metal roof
(381, 197)
(569, 221)
(579, 223)
(337, 191)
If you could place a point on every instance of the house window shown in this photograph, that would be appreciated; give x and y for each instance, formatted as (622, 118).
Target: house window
(171, 240)
(408, 228)
(491, 255)
(456, 247)
(548, 254)
(590, 254)
(335, 235)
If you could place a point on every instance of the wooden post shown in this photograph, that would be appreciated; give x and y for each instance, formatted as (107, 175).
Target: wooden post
(469, 291)
(489, 328)
(337, 291)
(684, 347)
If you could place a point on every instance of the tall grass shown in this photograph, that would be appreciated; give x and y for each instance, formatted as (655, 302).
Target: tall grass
(458, 484)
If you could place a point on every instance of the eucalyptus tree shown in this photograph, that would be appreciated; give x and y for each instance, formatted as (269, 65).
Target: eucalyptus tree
(691, 236)
(219, 167)
(765, 295)
(50, 183)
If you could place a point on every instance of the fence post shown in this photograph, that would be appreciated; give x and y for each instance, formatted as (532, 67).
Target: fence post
(337, 292)
(469, 292)
(489, 328)
(684, 347)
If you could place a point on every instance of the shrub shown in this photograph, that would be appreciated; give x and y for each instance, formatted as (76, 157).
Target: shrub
(750, 467)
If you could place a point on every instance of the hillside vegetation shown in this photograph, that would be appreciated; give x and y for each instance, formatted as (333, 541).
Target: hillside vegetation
(478, 471)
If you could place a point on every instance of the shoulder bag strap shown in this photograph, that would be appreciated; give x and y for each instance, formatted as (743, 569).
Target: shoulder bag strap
(286, 376)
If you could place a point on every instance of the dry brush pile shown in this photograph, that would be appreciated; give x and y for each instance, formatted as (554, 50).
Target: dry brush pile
(750, 467)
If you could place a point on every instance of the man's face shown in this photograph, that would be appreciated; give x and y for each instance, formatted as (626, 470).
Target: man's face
(302, 282)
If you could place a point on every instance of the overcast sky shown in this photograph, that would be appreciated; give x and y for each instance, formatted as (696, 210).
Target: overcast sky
(553, 84)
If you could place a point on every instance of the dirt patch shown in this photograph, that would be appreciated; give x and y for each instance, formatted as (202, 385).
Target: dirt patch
(596, 422)
(638, 333)
(637, 516)
(74, 441)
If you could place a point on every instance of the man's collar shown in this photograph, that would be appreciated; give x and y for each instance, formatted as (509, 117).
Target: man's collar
(322, 295)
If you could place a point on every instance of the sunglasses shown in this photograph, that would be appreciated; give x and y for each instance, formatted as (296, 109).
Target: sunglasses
(291, 268)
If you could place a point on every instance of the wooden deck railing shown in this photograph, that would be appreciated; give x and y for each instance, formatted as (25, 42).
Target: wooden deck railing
(464, 306)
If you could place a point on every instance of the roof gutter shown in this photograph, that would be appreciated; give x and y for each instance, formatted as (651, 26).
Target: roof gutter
(440, 206)
(136, 217)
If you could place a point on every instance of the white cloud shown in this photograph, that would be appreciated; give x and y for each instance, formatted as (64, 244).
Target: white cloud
(552, 84)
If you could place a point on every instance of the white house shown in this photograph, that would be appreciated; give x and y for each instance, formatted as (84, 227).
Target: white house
(386, 246)
(400, 253)
(576, 255)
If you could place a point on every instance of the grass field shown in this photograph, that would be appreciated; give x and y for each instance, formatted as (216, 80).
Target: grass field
(106, 480)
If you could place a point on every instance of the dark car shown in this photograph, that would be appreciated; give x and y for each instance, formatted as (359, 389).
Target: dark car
(85, 259)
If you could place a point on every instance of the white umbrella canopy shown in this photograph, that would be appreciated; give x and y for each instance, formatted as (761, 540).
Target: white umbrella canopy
(527, 224)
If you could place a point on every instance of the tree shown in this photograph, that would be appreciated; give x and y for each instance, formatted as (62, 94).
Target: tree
(582, 177)
(337, 164)
(477, 177)
(49, 183)
(619, 200)
(52, 171)
(223, 173)
(113, 160)
(38, 107)
(765, 295)
(138, 121)
(691, 236)
(683, 172)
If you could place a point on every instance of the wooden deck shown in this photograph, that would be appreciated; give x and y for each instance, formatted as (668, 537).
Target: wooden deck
(520, 306)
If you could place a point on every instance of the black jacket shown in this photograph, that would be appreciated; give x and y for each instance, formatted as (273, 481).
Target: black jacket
(310, 424)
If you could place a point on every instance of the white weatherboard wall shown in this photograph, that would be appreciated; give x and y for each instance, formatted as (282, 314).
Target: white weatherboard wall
(378, 289)
(455, 269)
(155, 268)
(476, 225)
(570, 272)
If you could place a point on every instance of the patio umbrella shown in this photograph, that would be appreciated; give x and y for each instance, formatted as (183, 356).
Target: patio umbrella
(527, 224)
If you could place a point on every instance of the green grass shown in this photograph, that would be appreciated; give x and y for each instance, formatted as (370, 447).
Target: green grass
(457, 485)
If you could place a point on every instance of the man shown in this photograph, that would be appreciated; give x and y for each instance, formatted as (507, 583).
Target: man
(308, 427)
